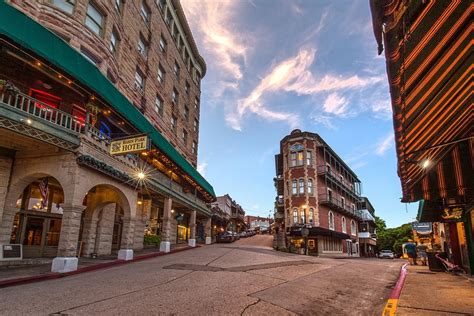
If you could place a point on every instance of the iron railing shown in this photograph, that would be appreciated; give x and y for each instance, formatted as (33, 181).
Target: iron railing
(323, 170)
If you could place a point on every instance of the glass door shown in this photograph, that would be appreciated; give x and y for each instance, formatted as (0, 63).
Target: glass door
(33, 236)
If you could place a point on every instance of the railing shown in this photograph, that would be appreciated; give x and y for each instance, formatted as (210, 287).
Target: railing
(39, 110)
(337, 203)
(323, 170)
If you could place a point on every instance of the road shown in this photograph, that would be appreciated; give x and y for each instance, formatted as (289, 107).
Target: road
(243, 278)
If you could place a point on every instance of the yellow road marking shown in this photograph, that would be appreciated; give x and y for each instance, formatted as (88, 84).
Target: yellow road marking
(390, 307)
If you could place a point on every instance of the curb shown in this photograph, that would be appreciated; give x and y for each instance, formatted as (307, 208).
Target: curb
(99, 266)
(392, 303)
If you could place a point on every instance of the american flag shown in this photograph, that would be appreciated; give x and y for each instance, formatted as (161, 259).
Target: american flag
(43, 187)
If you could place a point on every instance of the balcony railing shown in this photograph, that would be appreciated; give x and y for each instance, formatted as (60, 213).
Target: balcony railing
(323, 170)
(35, 109)
(337, 204)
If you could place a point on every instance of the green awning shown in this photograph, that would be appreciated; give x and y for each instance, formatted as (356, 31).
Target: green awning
(31, 35)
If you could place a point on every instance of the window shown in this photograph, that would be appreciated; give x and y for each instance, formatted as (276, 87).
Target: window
(94, 19)
(295, 216)
(168, 18)
(293, 159)
(311, 215)
(331, 220)
(300, 158)
(161, 74)
(163, 44)
(308, 158)
(310, 186)
(186, 87)
(303, 216)
(161, 4)
(145, 12)
(174, 96)
(301, 190)
(159, 105)
(329, 195)
(176, 69)
(328, 168)
(184, 137)
(353, 228)
(196, 104)
(173, 123)
(139, 83)
(194, 147)
(343, 202)
(118, 5)
(344, 227)
(186, 113)
(65, 5)
(113, 45)
(89, 56)
(196, 124)
(294, 188)
(142, 46)
(332, 245)
(174, 32)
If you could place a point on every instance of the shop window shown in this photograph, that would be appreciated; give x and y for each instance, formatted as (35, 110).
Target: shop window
(65, 5)
(94, 19)
(52, 237)
(331, 220)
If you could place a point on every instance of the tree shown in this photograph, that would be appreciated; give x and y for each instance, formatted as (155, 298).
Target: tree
(392, 238)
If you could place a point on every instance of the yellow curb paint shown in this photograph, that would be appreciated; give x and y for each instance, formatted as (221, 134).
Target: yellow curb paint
(390, 307)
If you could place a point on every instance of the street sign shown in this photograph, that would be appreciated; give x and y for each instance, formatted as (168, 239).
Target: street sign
(130, 145)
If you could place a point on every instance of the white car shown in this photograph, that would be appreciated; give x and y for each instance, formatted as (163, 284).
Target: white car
(386, 254)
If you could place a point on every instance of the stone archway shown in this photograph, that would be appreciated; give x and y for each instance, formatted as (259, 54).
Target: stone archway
(106, 206)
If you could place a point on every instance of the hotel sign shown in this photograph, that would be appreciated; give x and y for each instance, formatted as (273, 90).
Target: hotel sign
(130, 145)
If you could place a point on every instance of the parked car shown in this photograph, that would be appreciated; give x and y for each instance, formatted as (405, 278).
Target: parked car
(236, 236)
(250, 233)
(225, 237)
(386, 254)
(243, 234)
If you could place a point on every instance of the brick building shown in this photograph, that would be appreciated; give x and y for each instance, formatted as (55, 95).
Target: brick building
(258, 222)
(234, 211)
(318, 191)
(74, 77)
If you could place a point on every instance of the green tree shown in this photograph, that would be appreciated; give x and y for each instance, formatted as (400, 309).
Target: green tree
(392, 238)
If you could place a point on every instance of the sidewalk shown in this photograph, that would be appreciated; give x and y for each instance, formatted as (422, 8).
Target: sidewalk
(20, 274)
(435, 293)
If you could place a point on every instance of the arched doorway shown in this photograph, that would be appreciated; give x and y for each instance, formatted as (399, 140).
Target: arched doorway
(37, 224)
(102, 225)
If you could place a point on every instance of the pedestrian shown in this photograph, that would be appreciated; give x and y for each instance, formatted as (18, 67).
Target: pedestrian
(410, 249)
(422, 253)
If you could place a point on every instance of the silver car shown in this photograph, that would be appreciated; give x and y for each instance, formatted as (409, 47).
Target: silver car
(386, 254)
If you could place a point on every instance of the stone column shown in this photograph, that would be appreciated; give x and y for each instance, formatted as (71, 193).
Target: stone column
(142, 215)
(5, 168)
(165, 244)
(192, 230)
(66, 259)
(208, 231)
(105, 229)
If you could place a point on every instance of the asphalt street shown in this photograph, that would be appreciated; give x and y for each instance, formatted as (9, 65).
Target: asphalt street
(243, 278)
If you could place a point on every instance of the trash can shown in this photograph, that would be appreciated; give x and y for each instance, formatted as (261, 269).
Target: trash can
(434, 263)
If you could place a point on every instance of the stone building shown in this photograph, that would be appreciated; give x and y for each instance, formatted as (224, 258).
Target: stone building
(75, 76)
(317, 191)
(234, 212)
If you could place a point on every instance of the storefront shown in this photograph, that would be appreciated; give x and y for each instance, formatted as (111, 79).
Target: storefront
(321, 241)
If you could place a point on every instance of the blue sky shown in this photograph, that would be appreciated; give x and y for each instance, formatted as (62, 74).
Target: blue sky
(276, 65)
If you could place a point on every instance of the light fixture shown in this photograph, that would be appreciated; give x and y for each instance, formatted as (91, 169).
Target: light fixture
(38, 64)
(172, 211)
(426, 163)
(141, 175)
(29, 121)
(139, 202)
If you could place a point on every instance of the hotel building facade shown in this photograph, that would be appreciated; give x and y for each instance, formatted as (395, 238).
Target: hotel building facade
(316, 191)
(75, 76)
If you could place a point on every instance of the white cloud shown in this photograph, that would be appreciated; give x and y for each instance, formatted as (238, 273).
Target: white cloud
(293, 75)
(384, 145)
(201, 168)
(335, 104)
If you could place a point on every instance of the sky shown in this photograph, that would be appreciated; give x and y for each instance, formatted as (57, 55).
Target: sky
(277, 65)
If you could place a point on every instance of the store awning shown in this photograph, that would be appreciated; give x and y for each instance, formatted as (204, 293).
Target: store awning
(32, 36)
(428, 51)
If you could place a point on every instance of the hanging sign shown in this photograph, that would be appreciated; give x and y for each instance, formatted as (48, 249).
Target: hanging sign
(130, 145)
(452, 213)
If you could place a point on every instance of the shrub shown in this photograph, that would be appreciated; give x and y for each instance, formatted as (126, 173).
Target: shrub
(152, 240)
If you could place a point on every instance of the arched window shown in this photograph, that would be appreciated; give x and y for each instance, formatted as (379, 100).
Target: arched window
(303, 216)
(310, 186)
(353, 228)
(344, 225)
(331, 220)
(311, 215)
(295, 216)
(301, 190)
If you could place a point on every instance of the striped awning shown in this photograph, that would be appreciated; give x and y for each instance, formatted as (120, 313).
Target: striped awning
(428, 50)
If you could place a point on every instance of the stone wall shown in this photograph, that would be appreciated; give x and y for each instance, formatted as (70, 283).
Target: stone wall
(5, 167)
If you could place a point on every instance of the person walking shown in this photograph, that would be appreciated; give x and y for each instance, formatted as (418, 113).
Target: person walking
(410, 249)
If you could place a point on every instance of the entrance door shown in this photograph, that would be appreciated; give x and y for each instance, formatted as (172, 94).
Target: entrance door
(33, 236)
(117, 235)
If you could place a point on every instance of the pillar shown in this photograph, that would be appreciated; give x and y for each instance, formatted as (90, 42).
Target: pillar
(5, 169)
(66, 259)
(126, 244)
(142, 215)
(105, 229)
(192, 230)
(165, 244)
(208, 231)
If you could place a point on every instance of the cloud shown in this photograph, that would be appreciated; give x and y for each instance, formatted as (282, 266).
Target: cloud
(201, 167)
(384, 145)
(212, 20)
(294, 75)
(335, 104)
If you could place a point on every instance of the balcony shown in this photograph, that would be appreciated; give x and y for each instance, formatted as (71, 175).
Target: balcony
(337, 204)
(346, 185)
